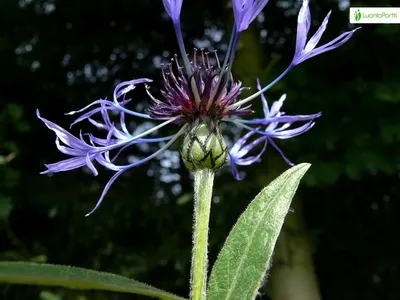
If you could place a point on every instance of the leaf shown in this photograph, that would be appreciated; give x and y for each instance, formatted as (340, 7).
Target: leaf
(244, 259)
(76, 278)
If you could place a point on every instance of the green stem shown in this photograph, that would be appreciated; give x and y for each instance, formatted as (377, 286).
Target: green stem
(203, 184)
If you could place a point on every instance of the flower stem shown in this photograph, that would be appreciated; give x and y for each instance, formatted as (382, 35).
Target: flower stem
(203, 184)
(186, 63)
(255, 95)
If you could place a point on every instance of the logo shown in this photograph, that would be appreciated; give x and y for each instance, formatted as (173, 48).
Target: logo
(374, 15)
(357, 15)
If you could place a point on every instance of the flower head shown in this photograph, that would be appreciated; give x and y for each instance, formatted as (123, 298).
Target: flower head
(197, 95)
(205, 94)
(204, 148)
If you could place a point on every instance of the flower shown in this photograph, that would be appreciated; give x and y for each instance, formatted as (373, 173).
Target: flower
(304, 51)
(204, 94)
(196, 96)
(173, 9)
(245, 11)
(273, 130)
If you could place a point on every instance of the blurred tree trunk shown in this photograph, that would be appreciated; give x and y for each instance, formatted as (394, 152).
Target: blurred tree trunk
(292, 274)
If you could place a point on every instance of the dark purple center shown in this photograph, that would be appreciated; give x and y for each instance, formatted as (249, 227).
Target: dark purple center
(205, 94)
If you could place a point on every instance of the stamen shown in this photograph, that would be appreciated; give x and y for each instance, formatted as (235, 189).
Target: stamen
(172, 75)
(202, 56)
(151, 96)
(163, 73)
(176, 61)
(208, 60)
(217, 59)
(193, 82)
(195, 57)
(179, 67)
(195, 91)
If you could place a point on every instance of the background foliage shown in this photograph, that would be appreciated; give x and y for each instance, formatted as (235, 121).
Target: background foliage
(61, 55)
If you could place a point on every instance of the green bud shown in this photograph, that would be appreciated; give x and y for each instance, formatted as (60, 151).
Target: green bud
(204, 149)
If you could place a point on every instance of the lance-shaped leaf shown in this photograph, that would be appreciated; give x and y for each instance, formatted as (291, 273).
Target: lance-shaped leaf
(244, 259)
(76, 278)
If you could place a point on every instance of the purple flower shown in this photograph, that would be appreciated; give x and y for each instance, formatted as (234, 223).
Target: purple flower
(98, 149)
(197, 95)
(205, 97)
(277, 126)
(82, 153)
(173, 9)
(305, 51)
(239, 151)
(245, 11)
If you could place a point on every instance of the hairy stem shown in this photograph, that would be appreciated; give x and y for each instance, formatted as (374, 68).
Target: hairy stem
(203, 184)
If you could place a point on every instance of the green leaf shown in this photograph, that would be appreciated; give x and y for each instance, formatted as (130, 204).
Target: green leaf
(76, 278)
(244, 259)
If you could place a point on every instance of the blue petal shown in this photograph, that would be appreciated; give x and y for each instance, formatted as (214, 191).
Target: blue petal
(65, 165)
(252, 159)
(303, 51)
(240, 142)
(106, 188)
(245, 11)
(124, 168)
(281, 152)
(67, 138)
(287, 134)
(173, 9)
(234, 170)
(335, 43)
(283, 119)
(303, 26)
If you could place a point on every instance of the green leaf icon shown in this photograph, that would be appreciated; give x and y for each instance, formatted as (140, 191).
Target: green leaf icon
(357, 15)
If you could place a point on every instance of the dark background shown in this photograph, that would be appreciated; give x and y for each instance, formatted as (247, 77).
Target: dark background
(61, 55)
